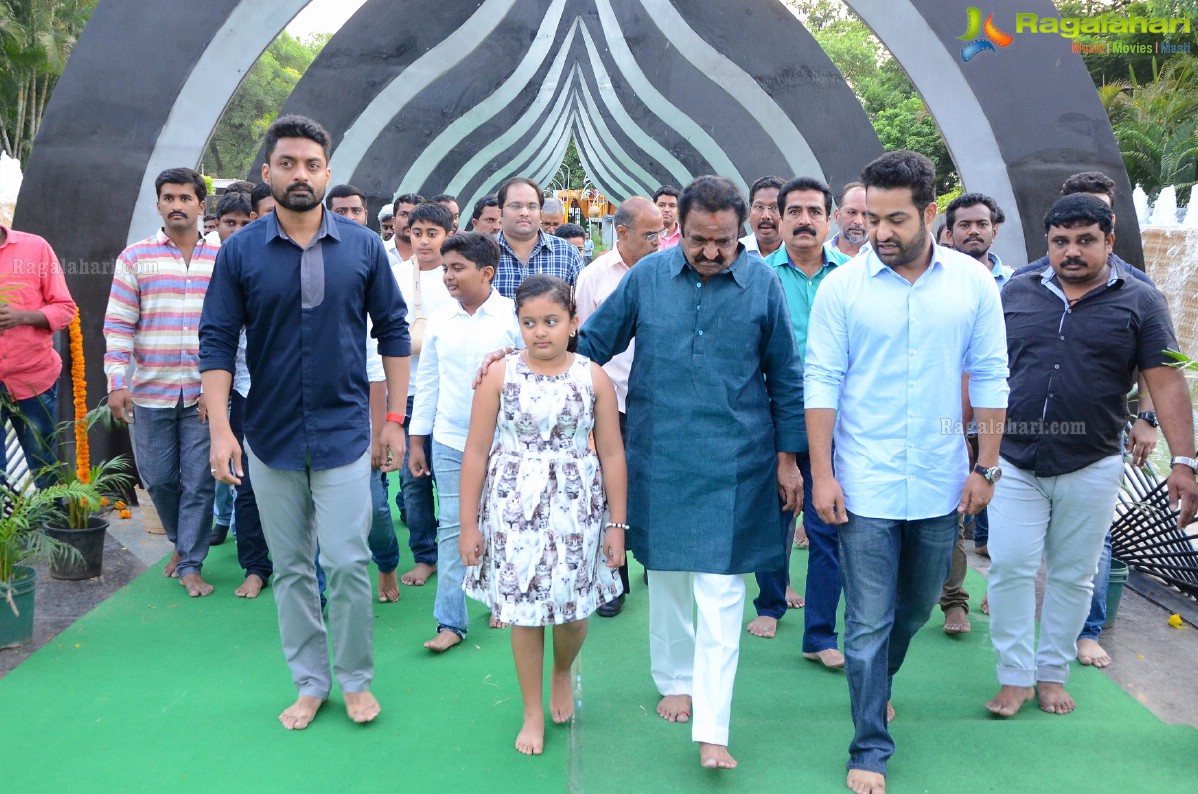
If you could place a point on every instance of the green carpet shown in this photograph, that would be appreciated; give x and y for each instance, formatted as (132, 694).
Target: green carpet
(156, 691)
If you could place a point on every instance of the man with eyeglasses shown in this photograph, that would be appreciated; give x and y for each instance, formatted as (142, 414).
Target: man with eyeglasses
(525, 248)
(553, 214)
(638, 233)
(765, 237)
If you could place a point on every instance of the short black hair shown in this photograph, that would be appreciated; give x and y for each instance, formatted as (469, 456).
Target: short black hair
(939, 231)
(568, 230)
(897, 170)
(233, 201)
(296, 127)
(476, 247)
(434, 213)
(1080, 209)
(181, 176)
(415, 199)
(501, 194)
(240, 186)
(484, 202)
(209, 216)
(665, 190)
(967, 200)
(765, 183)
(713, 194)
(805, 183)
(343, 191)
(260, 191)
(1089, 182)
(442, 198)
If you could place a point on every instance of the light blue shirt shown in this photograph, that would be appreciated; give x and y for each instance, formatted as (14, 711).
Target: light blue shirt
(1002, 273)
(889, 356)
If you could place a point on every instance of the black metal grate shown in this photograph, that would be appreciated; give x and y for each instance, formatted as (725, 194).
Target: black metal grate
(1146, 535)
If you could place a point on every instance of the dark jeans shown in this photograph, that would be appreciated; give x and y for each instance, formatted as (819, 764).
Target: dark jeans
(252, 554)
(624, 438)
(33, 422)
(823, 572)
(892, 573)
(981, 529)
(419, 508)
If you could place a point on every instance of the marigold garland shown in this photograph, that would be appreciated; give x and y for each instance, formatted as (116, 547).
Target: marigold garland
(79, 390)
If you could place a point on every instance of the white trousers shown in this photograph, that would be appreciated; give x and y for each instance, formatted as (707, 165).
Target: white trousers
(699, 663)
(1063, 519)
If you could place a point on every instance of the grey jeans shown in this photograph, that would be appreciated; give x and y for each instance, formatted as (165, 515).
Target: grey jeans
(332, 506)
(171, 447)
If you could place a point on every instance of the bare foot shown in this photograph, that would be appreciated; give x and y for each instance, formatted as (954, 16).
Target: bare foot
(956, 621)
(388, 587)
(496, 623)
(251, 587)
(715, 756)
(444, 640)
(793, 599)
(196, 586)
(531, 739)
(418, 575)
(169, 571)
(889, 712)
(829, 658)
(1009, 700)
(985, 605)
(763, 626)
(1090, 652)
(675, 708)
(361, 706)
(1053, 698)
(864, 782)
(561, 696)
(300, 713)
(801, 539)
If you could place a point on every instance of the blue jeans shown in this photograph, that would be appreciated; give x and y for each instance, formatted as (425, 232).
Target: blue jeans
(450, 606)
(384, 548)
(981, 528)
(222, 505)
(419, 509)
(771, 600)
(823, 572)
(1102, 580)
(252, 554)
(33, 422)
(893, 571)
(172, 459)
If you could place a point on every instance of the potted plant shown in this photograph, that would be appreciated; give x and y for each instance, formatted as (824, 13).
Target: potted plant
(24, 541)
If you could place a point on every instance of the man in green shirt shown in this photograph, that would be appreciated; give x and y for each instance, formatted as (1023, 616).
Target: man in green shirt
(801, 263)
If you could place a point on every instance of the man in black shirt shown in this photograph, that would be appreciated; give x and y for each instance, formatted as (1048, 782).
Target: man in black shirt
(1076, 334)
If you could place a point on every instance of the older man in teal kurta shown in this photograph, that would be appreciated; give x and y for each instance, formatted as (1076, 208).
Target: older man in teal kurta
(715, 417)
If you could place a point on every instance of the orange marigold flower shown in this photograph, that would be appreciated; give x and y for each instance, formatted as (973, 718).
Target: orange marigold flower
(104, 501)
(125, 514)
(120, 505)
(79, 395)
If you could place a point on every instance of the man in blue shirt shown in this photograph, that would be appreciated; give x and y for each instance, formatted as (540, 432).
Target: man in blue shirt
(891, 334)
(525, 247)
(301, 281)
(715, 378)
(802, 262)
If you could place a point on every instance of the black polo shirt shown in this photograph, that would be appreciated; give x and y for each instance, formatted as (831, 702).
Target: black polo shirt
(1072, 366)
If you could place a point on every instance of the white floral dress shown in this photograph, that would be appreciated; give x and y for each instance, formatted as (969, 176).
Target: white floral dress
(543, 505)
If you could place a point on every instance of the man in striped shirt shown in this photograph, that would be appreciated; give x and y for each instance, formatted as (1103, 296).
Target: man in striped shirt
(152, 322)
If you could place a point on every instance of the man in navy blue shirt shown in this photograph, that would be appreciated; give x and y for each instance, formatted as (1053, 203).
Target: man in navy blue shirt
(301, 281)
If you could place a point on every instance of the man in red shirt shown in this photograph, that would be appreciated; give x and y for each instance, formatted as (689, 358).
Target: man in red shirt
(34, 303)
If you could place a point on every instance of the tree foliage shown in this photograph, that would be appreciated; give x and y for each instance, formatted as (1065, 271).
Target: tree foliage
(256, 103)
(898, 113)
(570, 174)
(36, 39)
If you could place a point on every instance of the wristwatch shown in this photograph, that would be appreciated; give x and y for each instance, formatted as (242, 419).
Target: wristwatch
(991, 474)
(1149, 417)
(1191, 462)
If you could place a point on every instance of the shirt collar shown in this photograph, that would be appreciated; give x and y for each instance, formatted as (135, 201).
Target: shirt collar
(875, 264)
(503, 243)
(162, 239)
(493, 305)
(829, 262)
(328, 227)
(7, 235)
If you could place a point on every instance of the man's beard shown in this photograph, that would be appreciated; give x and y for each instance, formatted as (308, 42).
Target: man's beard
(855, 236)
(293, 197)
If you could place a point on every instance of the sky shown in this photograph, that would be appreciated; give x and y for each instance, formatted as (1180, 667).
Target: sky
(323, 16)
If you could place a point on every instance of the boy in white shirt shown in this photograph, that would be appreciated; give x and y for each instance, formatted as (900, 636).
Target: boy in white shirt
(456, 340)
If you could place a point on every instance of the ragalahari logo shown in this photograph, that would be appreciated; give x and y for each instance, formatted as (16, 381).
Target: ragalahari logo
(975, 26)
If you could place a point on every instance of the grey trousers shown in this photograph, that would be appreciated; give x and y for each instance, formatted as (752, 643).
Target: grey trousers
(332, 506)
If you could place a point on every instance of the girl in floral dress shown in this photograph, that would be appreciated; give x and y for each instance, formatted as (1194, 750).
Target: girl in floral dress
(536, 498)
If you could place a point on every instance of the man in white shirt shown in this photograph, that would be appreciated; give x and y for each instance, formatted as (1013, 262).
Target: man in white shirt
(456, 341)
(890, 336)
(764, 216)
(638, 227)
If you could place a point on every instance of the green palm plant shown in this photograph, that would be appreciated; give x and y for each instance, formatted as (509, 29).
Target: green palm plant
(109, 478)
(24, 513)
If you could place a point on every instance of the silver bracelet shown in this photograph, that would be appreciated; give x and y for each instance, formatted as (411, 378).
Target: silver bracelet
(615, 525)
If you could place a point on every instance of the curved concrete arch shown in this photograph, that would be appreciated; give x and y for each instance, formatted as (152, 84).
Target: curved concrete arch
(593, 112)
(609, 161)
